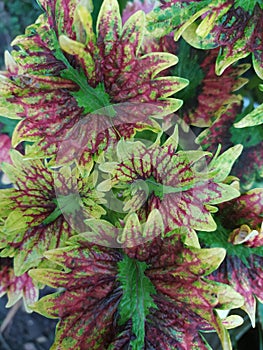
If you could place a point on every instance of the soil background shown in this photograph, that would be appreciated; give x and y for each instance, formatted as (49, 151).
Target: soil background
(25, 331)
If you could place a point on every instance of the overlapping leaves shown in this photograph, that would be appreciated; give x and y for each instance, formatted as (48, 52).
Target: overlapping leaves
(172, 14)
(90, 300)
(88, 72)
(159, 177)
(234, 26)
(43, 210)
(214, 93)
(95, 310)
(249, 166)
(127, 76)
(127, 281)
(109, 234)
(150, 42)
(240, 233)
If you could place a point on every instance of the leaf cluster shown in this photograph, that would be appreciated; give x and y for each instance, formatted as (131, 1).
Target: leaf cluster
(129, 185)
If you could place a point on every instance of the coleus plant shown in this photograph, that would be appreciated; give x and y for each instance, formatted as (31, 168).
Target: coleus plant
(135, 176)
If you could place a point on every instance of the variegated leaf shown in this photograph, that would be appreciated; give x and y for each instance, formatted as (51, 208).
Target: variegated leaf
(240, 233)
(92, 72)
(95, 133)
(159, 178)
(16, 287)
(5, 146)
(42, 37)
(127, 76)
(150, 42)
(250, 163)
(90, 305)
(246, 279)
(175, 14)
(111, 233)
(246, 209)
(87, 308)
(45, 106)
(223, 23)
(136, 5)
(242, 37)
(60, 14)
(43, 210)
(223, 163)
(36, 51)
(251, 119)
(215, 92)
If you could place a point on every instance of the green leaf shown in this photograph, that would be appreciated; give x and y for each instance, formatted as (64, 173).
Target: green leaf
(252, 119)
(175, 14)
(122, 4)
(91, 99)
(248, 136)
(224, 163)
(137, 299)
(260, 314)
(97, 5)
(188, 67)
(8, 125)
(98, 98)
(67, 204)
(248, 5)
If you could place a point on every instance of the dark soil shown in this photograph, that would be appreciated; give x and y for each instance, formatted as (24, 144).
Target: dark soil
(26, 331)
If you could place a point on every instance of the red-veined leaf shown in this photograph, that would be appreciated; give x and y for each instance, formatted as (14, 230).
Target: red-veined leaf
(43, 210)
(156, 177)
(16, 287)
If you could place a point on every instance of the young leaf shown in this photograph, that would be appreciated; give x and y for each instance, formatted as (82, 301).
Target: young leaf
(251, 119)
(137, 300)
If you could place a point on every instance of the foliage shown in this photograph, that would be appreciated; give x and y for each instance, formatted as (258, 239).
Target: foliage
(14, 21)
(131, 134)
